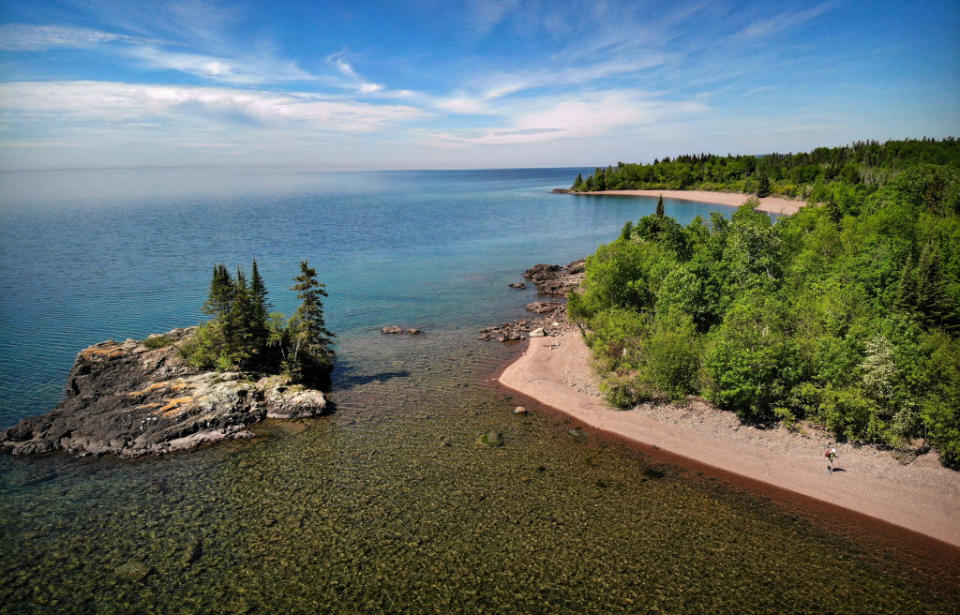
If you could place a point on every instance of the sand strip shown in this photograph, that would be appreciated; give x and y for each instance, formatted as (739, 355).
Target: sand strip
(922, 496)
(769, 204)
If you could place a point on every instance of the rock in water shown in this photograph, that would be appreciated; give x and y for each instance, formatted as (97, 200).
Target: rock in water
(391, 330)
(130, 399)
(556, 280)
(491, 438)
(133, 570)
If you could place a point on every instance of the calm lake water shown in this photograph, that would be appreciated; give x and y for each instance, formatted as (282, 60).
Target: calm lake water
(388, 505)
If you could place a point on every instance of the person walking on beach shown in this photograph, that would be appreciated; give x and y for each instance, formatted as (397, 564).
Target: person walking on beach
(831, 456)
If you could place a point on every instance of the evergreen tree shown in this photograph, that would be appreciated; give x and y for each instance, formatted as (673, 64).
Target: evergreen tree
(239, 322)
(221, 293)
(311, 356)
(763, 186)
(932, 301)
(578, 184)
(660, 212)
(907, 292)
(260, 307)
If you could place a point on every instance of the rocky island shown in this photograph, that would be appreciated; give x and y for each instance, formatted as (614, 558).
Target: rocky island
(187, 387)
(137, 398)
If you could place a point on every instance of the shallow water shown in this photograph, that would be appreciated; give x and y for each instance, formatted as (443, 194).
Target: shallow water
(390, 504)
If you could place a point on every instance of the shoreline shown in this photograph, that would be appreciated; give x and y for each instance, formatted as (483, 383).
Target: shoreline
(768, 204)
(922, 497)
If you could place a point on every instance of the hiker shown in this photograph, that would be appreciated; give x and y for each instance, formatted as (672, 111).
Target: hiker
(831, 456)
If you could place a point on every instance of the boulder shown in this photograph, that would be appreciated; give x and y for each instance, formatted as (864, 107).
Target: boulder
(544, 307)
(518, 285)
(391, 330)
(538, 332)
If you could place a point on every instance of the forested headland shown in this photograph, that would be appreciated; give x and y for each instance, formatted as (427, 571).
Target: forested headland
(814, 176)
(846, 315)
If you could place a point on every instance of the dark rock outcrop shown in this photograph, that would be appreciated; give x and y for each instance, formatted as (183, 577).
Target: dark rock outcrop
(134, 398)
(556, 280)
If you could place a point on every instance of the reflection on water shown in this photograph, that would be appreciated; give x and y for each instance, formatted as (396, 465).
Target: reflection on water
(389, 505)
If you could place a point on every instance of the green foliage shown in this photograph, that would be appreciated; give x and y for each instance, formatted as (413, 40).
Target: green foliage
(864, 164)
(670, 357)
(311, 357)
(763, 187)
(847, 315)
(751, 362)
(158, 341)
(242, 336)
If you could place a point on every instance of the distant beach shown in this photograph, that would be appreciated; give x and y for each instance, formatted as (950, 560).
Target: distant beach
(922, 496)
(769, 204)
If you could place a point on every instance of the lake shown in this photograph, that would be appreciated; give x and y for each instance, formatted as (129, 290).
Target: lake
(388, 505)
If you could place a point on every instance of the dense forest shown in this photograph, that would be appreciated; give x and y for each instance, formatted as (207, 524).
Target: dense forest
(243, 335)
(863, 166)
(847, 315)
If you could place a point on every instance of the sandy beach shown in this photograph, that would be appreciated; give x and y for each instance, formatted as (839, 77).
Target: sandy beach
(769, 204)
(921, 496)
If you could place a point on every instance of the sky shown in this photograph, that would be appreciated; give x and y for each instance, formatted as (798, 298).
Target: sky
(473, 84)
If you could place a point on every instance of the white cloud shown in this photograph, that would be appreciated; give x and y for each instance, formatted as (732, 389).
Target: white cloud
(370, 88)
(773, 25)
(488, 13)
(118, 105)
(577, 116)
(236, 70)
(23, 37)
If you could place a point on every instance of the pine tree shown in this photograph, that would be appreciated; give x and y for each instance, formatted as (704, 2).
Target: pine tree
(763, 187)
(311, 356)
(239, 321)
(221, 293)
(932, 301)
(660, 212)
(578, 184)
(907, 292)
(260, 307)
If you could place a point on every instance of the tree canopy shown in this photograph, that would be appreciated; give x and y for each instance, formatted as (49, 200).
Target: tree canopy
(847, 315)
(243, 335)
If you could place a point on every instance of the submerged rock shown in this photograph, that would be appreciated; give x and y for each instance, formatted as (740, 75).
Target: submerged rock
(491, 438)
(132, 398)
(518, 285)
(133, 570)
(396, 330)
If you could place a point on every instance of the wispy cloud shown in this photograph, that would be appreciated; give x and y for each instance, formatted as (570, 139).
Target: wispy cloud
(356, 82)
(24, 37)
(122, 105)
(238, 70)
(487, 14)
(581, 116)
(767, 27)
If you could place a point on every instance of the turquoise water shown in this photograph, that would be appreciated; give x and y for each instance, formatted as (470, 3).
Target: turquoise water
(389, 505)
(92, 255)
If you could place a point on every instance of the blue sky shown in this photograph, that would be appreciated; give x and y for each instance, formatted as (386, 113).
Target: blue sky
(474, 84)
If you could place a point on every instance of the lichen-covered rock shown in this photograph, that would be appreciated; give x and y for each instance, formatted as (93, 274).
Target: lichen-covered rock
(138, 398)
